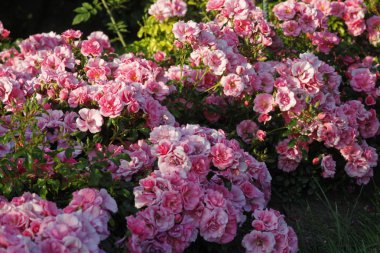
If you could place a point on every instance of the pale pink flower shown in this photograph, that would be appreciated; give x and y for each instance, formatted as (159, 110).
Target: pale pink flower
(71, 34)
(284, 10)
(176, 161)
(6, 87)
(325, 41)
(191, 195)
(232, 85)
(243, 27)
(216, 61)
(185, 32)
(329, 133)
(285, 99)
(358, 167)
(303, 70)
(259, 242)
(90, 119)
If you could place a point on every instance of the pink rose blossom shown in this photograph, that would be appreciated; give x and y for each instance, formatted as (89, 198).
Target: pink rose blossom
(110, 106)
(91, 47)
(90, 119)
(362, 80)
(213, 224)
(291, 28)
(175, 162)
(232, 85)
(246, 130)
(285, 99)
(214, 5)
(259, 242)
(284, 10)
(373, 26)
(222, 156)
(328, 166)
(263, 103)
(216, 61)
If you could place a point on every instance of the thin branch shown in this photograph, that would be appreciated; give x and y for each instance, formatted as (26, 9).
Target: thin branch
(114, 24)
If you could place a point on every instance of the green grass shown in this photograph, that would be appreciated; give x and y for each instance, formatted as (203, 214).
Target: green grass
(347, 224)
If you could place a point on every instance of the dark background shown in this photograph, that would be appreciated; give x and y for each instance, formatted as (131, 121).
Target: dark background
(27, 17)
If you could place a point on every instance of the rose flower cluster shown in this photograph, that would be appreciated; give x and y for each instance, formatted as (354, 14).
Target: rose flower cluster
(217, 65)
(31, 224)
(203, 184)
(312, 17)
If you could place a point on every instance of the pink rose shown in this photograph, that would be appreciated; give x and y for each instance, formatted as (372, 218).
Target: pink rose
(232, 85)
(243, 27)
(213, 224)
(90, 119)
(303, 70)
(268, 217)
(260, 135)
(110, 106)
(328, 166)
(291, 28)
(362, 80)
(91, 47)
(257, 241)
(185, 32)
(222, 156)
(286, 164)
(263, 103)
(176, 161)
(6, 87)
(357, 167)
(162, 217)
(214, 5)
(284, 10)
(216, 61)
(329, 133)
(214, 199)
(246, 130)
(172, 201)
(373, 26)
(285, 99)
(159, 56)
(191, 194)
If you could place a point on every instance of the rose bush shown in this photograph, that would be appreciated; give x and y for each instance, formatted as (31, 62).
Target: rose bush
(76, 115)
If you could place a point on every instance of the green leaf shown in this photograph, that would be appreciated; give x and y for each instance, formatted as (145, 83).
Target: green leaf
(292, 123)
(80, 18)
(95, 178)
(87, 6)
(292, 143)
